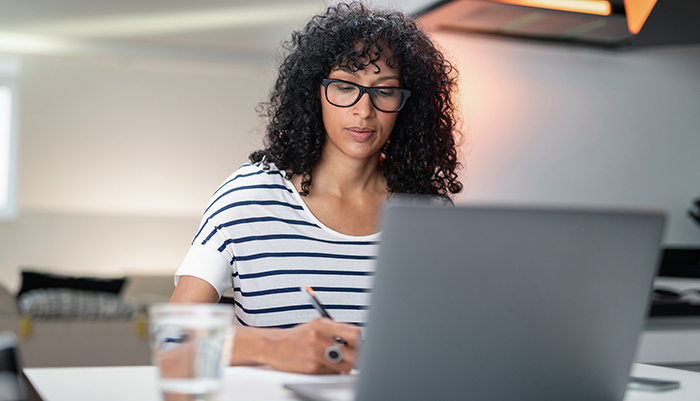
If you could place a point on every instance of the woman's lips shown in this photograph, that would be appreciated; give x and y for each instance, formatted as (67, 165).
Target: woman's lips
(359, 133)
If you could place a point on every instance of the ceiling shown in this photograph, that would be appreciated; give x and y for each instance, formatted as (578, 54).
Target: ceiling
(225, 30)
(239, 31)
(247, 31)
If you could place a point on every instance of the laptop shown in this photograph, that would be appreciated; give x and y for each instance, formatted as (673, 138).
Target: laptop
(503, 303)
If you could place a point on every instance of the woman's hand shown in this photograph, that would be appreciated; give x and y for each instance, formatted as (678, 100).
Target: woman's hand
(300, 349)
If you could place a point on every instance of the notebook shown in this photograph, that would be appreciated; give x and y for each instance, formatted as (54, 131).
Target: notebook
(503, 303)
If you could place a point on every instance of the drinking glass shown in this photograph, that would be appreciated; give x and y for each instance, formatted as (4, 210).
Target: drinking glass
(190, 344)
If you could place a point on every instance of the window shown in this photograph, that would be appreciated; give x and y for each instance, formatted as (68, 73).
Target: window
(8, 138)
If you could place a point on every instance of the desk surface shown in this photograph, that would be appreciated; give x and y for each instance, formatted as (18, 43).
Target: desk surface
(138, 383)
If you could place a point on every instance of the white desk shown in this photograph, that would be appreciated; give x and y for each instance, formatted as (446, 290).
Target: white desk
(138, 383)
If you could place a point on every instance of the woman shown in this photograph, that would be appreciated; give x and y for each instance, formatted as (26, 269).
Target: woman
(361, 109)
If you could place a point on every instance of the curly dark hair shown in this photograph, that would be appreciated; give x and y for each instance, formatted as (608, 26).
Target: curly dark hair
(420, 156)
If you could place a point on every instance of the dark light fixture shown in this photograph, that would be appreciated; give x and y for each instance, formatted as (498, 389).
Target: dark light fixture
(607, 23)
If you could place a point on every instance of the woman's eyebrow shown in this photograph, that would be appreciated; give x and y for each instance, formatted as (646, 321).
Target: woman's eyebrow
(357, 75)
(388, 77)
(379, 79)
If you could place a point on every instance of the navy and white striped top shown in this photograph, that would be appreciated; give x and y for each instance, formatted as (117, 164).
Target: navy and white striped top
(258, 236)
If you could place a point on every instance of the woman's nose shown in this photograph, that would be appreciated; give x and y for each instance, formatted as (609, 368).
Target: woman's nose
(364, 107)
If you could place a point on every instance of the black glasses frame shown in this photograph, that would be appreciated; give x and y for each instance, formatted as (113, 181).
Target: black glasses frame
(405, 93)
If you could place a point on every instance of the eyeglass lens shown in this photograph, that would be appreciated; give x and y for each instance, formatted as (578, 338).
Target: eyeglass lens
(344, 94)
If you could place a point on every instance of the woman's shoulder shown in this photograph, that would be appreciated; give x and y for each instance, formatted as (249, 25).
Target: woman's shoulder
(252, 181)
(249, 184)
(258, 167)
(254, 173)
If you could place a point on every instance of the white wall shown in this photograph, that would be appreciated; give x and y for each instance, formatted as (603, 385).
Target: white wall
(118, 156)
(120, 136)
(553, 124)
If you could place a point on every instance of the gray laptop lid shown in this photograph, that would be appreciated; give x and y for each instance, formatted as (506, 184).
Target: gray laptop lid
(507, 303)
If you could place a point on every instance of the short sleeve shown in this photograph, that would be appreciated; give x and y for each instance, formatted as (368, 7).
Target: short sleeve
(209, 265)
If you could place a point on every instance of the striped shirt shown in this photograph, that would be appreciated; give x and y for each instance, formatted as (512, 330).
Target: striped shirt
(258, 236)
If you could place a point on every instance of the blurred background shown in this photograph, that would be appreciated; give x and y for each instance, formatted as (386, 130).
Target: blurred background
(126, 116)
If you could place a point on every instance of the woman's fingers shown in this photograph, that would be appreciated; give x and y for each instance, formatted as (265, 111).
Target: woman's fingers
(349, 333)
(340, 343)
(303, 348)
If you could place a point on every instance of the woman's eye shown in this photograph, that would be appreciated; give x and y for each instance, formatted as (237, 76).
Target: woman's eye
(345, 88)
(387, 92)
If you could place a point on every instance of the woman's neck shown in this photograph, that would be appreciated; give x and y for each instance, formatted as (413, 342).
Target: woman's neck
(344, 176)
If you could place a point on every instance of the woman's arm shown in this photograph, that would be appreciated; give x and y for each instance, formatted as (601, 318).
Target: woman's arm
(195, 290)
(300, 349)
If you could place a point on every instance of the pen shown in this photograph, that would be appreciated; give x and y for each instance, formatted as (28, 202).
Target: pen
(333, 353)
(315, 302)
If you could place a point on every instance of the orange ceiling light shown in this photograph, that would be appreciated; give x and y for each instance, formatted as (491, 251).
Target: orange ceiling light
(637, 12)
(598, 7)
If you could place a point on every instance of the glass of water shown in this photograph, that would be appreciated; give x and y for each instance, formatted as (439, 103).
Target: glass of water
(190, 344)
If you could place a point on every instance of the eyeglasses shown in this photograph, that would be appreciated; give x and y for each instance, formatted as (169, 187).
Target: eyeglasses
(345, 94)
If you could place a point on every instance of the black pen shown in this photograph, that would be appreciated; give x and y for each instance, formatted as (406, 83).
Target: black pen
(333, 353)
(315, 302)
(320, 308)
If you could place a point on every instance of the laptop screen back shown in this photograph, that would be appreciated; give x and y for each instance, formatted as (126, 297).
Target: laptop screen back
(507, 303)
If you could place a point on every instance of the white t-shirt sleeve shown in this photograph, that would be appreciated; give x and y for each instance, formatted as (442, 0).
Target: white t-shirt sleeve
(209, 265)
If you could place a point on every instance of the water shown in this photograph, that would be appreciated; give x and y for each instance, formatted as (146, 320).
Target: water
(191, 351)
